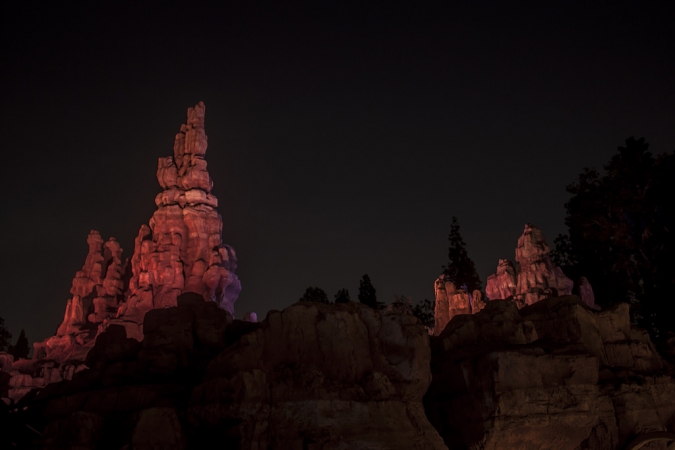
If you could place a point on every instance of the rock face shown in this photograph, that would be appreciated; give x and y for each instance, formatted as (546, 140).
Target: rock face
(538, 277)
(96, 292)
(451, 302)
(312, 376)
(553, 375)
(502, 284)
(535, 278)
(180, 251)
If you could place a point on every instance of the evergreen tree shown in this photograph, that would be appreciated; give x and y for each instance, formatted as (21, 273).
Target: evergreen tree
(21, 349)
(5, 336)
(342, 296)
(367, 294)
(424, 310)
(620, 233)
(314, 294)
(460, 269)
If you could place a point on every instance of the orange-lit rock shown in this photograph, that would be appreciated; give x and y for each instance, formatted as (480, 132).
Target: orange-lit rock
(451, 302)
(502, 285)
(534, 279)
(180, 251)
(538, 277)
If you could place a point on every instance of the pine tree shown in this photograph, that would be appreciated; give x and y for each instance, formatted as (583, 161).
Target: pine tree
(424, 310)
(342, 296)
(620, 236)
(314, 294)
(21, 349)
(460, 269)
(367, 294)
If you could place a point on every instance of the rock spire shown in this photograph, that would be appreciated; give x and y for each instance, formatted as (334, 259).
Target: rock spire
(534, 278)
(181, 250)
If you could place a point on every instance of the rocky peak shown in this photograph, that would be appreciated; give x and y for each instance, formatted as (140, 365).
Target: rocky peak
(180, 251)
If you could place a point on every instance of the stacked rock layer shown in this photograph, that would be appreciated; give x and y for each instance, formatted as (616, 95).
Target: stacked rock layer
(533, 279)
(180, 251)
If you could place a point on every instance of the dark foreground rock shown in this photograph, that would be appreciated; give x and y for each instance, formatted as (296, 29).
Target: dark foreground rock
(553, 375)
(312, 376)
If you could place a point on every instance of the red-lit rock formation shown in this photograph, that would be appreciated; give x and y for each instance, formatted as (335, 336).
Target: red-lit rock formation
(538, 277)
(96, 292)
(502, 285)
(181, 251)
(451, 301)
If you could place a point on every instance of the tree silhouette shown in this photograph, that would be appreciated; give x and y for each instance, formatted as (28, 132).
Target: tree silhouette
(342, 296)
(367, 294)
(621, 233)
(21, 349)
(424, 310)
(5, 336)
(314, 294)
(460, 269)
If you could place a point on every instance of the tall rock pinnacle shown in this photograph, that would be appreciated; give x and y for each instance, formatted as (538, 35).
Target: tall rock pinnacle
(180, 251)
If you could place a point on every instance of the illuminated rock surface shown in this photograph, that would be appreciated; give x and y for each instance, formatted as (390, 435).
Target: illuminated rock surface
(180, 251)
(502, 284)
(535, 278)
(451, 301)
(538, 277)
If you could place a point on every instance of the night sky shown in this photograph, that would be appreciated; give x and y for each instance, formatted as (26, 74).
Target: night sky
(342, 139)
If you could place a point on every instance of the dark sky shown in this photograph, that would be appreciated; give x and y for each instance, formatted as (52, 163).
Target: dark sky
(342, 139)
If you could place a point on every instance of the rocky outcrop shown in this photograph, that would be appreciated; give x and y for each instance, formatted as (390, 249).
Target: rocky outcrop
(551, 375)
(502, 284)
(96, 292)
(451, 302)
(180, 251)
(312, 376)
(538, 277)
(535, 277)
